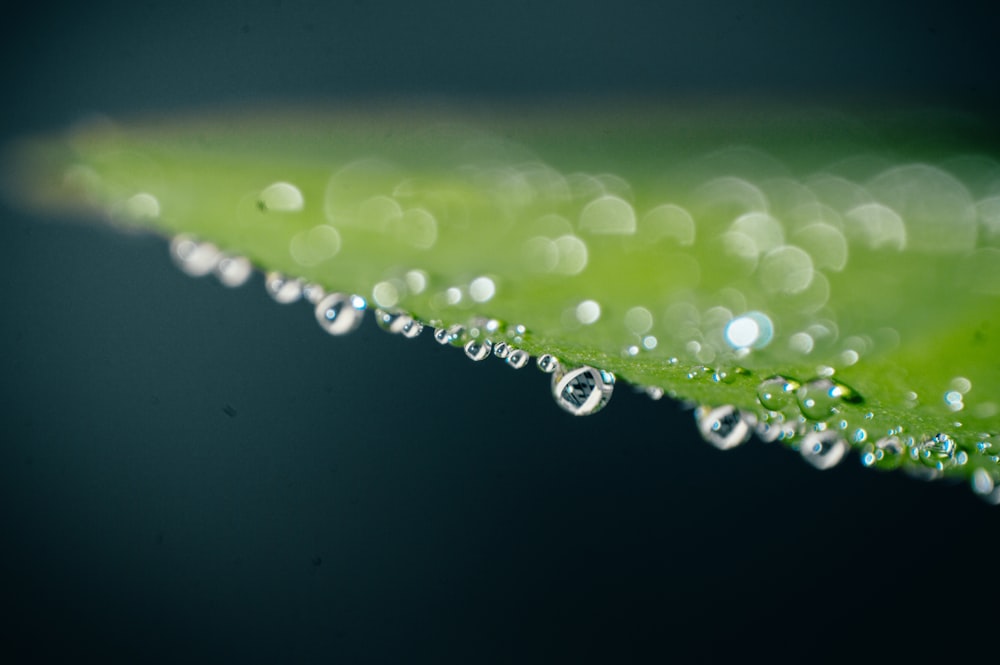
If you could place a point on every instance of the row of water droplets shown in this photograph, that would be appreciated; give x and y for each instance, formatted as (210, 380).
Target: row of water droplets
(824, 237)
(581, 390)
(811, 417)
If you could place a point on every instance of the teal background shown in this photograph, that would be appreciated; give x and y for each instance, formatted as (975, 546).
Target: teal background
(189, 473)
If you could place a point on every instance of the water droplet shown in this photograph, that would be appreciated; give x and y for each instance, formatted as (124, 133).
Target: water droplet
(588, 312)
(281, 197)
(284, 290)
(819, 398)
(777, 393)
(313, 292)
(233, 271)
(448, 335)
(314, 246)
(501, 350)
(416, 281)
(339, 313)
(412, 328)
(478, 349)
(608, 215)
(823, 450)
(751, 330)
(724, 427)
(385, 294)
(953, 400)
(582, 391)
(937, 451)
(985, 487)
(518, 358)
(654, 393)
(482, 289)
(547, 363)
(194, 258)
(391, 321)
(774, 427)
(142, 206)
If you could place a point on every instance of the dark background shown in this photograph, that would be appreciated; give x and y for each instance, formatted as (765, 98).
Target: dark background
(190, 473)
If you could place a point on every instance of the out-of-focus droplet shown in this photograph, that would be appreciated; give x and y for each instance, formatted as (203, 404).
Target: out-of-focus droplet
(411, 328)
(282, 289)
(823, 450)
(233, 271)
(194, 258)
(313, 292)
(339, 313)
(391, 321)
(724, 427)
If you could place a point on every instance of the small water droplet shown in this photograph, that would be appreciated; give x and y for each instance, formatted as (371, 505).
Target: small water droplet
(449, 335)
(391, 321)
(501, 350)
(339, 313)
(518, 358)
(194, 258)
(282, 289)
(582, 391)
(313, 292)
(777, 392)
(412, 328)
(819, 398)
(478, 349)
(724, 427)
(654, 393)
(823, 450)
(547, 363)
(233, 271)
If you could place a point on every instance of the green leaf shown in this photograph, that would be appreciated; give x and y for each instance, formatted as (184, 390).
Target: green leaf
(696, 252)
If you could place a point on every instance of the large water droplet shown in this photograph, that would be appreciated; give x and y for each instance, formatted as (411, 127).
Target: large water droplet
(777, 393)
(339, 313)
(582, 391)
(284, 290)
(478, 349)
(818, 399)
(823, 450)
(724, 427)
